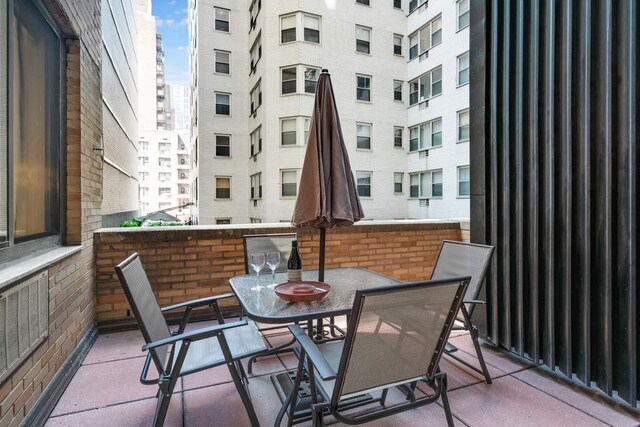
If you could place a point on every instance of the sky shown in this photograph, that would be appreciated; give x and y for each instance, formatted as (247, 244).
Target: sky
(171, 21)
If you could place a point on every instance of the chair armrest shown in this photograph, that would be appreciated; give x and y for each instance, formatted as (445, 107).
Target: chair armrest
(474, 301)
(197, 302)
(319, 362)
(195, 335)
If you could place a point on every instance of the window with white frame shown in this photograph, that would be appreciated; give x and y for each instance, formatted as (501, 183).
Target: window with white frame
(363, 39)
(256, 96)
(223, 187)
(254, 10)
(164, 191)
(164, 176)
(397, 44)
(144, 145)
(463, 69)
(222, 17)
(426, 86)
(288, 28)
(164, 162)
(256, 186)
(397, 90)
(289, 77)
(363, 87)
(311, 25)
(288, 183)
(164, 147)
(463, 126)
(144, 176)
(256, 51)
(223, 104)
(363, 136)
(256, 141)
(398, 177)
(414, 4)
(144, 161)
(222, 61)
(397, 136)
(363, 179)
(463, 13)
(425, 38)
(426, 135)
(307, 124)
(223, 145)
(288, 127)
(397, 4)
(426, 185)
(464, 181)
(144, 191)
(311, 75)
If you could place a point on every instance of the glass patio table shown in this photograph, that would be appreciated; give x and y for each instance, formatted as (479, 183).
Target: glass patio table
(261, 303)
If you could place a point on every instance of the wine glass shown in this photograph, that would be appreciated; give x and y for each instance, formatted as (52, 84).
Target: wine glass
(257, 263)
(273, 261)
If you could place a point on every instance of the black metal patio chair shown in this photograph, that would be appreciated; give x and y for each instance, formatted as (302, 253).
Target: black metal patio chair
(180, 353)
(460, 258)
(377, 355)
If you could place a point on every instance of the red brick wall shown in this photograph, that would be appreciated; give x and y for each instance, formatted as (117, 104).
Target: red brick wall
(192, 262)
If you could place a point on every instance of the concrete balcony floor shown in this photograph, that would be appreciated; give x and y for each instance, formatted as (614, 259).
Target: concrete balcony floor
(106, 392)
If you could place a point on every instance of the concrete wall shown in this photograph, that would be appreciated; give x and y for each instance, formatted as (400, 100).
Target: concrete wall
(190, 262)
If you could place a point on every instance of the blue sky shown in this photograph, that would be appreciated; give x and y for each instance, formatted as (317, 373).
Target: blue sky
(171, 18)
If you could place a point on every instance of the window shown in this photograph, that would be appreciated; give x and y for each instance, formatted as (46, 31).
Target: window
(223, 221)
(463, 181)
(365, 2)
(426, 135)
(164, 191)
(144, 145)
(364, 183)
(397, 136)
(289, 183)
(288, 131)
(311, 28)
(222, 19)
(426, 86)
(307, 124)
(363, 39)
(256, 52)
(426, 185)
(223, 188)
(256, 141)
(254, 10)
(144, 161)
(463, 14)
(363, 132)
(164, 162)
(397, 4)
(426, 37)
(223, 104)
(398, 177)
(256, 96)
(256, 186)
(223, 145)
(143, 176)
(397, 90)
(397, 44)
(164, 176)
(288, 80)
(288, 29)
(463, 126)
(363, 92)
(164, 146)
(222, 61)
(414, 4)
(311, 79)
(35, 93)
(463, 69)
(144, 191)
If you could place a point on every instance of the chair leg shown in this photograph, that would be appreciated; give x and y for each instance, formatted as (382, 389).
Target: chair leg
(161, 409)
(473, 331)
(445, 400)
(317, 417)
(244, 395)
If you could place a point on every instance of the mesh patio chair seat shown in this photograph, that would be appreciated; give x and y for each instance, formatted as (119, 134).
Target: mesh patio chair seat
(180, 353)
(460, 258)
(377, 355)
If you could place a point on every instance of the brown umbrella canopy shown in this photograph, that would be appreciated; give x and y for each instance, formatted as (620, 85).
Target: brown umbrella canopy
(327, 195)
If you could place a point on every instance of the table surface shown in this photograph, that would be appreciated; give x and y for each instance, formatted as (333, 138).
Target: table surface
(265, 306)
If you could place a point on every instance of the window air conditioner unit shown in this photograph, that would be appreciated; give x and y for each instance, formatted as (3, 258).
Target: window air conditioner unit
(424, 203)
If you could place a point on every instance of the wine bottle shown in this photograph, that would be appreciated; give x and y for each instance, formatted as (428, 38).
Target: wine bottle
(294, 264)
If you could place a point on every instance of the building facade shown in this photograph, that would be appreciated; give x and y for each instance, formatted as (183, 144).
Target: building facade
(254, 66)
(178, 107)
(119, 111)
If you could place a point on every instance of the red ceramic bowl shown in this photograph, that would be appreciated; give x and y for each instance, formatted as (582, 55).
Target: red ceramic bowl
(303, 291)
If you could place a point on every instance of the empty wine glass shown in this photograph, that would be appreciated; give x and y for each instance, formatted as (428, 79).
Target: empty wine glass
(273, 261)
(257, 263)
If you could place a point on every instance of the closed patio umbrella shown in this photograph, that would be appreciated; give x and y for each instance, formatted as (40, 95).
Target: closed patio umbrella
(327, 195)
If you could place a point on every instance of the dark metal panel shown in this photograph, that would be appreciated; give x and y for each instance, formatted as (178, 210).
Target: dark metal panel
(534, 179)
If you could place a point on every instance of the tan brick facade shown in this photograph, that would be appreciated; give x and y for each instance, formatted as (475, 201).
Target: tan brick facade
(196, 262)
(71, 290)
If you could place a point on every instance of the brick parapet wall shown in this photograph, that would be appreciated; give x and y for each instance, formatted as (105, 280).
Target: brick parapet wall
(191, 262)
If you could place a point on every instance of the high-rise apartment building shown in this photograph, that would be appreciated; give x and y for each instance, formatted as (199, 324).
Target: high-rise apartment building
(254, 67)
(178, 107)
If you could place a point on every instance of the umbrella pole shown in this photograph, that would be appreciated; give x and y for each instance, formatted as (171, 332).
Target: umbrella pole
(323, 232)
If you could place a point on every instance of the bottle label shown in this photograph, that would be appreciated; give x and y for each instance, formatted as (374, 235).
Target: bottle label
(294, 275)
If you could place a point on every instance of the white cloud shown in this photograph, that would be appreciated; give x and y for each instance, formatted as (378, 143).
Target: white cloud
(182, 47)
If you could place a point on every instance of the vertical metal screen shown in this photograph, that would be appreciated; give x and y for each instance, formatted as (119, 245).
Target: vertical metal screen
(554, 105)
